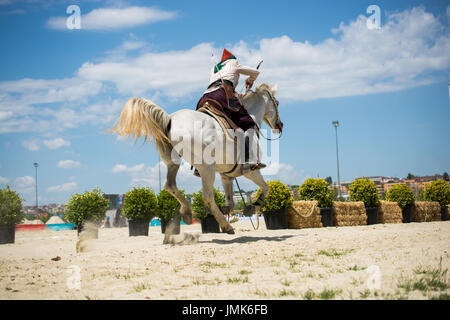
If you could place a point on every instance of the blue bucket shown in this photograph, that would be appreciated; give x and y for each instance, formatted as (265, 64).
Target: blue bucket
(61, 226)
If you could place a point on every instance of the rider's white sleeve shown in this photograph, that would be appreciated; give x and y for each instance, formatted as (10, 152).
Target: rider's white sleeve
(251, 72)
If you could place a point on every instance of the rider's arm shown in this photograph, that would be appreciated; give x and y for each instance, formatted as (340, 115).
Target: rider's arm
(251, 72)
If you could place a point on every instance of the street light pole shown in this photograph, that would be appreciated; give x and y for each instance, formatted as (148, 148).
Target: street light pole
(36, 165)
(336, 125)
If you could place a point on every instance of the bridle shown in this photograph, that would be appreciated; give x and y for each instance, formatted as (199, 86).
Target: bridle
(275, 104)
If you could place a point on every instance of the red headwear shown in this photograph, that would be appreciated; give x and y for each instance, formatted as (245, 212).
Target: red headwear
(226, 55)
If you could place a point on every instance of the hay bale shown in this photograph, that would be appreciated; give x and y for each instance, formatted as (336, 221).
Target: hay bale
(349, 213)
(304, 214)
(425, 211)
(389, 212)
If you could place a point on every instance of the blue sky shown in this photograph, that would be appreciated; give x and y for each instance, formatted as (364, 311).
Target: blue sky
(61, 89)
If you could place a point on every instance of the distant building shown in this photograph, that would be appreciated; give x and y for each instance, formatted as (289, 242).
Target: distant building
(428, 178)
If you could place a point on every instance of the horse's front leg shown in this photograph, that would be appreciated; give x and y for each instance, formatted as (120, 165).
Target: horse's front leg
(207, 173)
(256, 177)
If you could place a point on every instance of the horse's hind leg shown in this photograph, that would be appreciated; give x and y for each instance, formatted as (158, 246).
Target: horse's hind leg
(171, 186)
(171, 183)
(208, 173)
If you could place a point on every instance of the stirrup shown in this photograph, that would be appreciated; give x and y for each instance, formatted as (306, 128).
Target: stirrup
(258, 166)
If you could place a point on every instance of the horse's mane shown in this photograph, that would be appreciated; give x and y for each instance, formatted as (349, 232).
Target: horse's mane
(260, 89)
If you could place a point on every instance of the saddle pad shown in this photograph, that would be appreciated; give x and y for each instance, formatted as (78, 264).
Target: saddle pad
(213, 108)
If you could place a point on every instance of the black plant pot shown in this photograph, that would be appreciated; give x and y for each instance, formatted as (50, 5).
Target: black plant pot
(372, 215)
(407, 213)
(326, 215)
(138, 227)
(210, 225)
(93, 232)
(174, 220)
(276, 219)
(7, 234)
(444, 213)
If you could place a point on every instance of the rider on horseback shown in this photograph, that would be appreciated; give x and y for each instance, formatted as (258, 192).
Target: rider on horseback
(224, 79)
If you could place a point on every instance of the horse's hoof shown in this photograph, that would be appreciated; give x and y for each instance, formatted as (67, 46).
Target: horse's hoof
(249, 210)
(229, 230)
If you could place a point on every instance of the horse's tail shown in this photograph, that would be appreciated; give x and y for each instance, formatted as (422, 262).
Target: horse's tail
(141, 117)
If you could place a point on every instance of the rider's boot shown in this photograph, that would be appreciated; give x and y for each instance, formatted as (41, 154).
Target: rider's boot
(251, 154)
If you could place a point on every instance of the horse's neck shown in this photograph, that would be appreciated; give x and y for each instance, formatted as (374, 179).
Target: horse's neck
(256, 108)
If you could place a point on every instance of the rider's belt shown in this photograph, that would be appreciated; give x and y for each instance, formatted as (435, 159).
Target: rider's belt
(227, 86)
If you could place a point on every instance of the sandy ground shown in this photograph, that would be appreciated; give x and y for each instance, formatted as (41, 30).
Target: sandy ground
(395, 261)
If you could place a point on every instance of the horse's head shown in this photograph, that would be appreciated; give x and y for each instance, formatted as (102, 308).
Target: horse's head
(269, 105)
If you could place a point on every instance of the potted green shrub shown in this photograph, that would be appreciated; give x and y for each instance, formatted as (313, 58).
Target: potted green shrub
(275, 204)
(10, 214)
(404, 196)
(169, 211)
(89, 207)
(202, 212)
(318, 190)
(365, 190)
(439, 191)
(139, 207)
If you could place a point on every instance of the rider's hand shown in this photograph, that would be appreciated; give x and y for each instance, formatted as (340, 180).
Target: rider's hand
(248, 83)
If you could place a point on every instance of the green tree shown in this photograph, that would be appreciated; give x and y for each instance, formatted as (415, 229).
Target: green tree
(316, 189)
(402, 194)
(140, 203)
(89, 206)
(10, 207)
(200, 208)
(445, 176)
(329, 180)
(168, 205)
(439, 191)
(364, 190)
(410, 176)
(279, 197)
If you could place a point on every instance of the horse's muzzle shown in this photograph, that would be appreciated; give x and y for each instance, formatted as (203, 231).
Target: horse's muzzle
(280, 126)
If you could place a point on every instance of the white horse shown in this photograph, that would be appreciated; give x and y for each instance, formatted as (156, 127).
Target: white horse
(143, 117)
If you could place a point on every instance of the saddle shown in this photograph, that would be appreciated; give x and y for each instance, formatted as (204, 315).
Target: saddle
(214, 109)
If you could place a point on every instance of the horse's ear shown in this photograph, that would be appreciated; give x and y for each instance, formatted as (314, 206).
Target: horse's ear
(275, 88)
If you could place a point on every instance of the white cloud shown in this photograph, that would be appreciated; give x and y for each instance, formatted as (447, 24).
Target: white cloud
(21, 102)
(32, 145)
(68, 164)
(38, 91)
(410, 49)
(5, 115)
(56, 143)
(24, 184)
(115, 18)
(3, 180)
(404, 53)
(121, 168)
(65, 187)
(155, 71)
(142, 175)
(285, 173)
